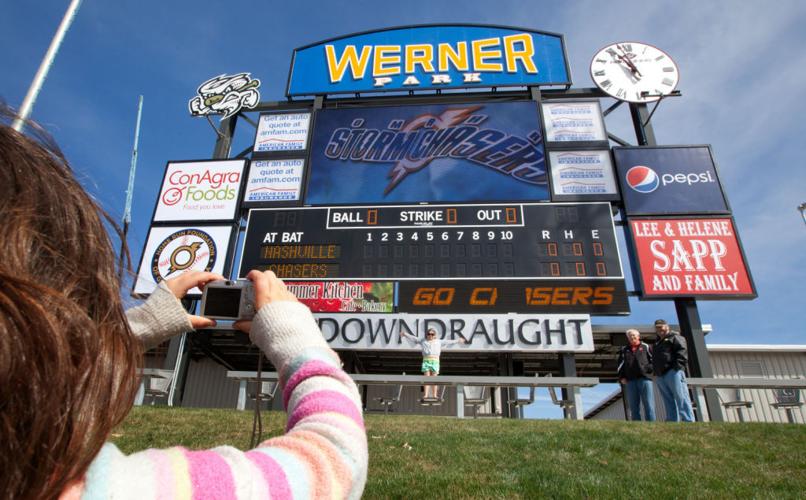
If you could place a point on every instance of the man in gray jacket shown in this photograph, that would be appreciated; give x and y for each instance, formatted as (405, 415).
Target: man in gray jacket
(669, 359)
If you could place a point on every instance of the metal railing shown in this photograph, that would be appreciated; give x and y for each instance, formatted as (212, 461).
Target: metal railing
(458, 381)
(697, 385)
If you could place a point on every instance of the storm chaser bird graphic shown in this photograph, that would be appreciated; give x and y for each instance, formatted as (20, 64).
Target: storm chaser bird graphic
(225, 94)
(447, 119)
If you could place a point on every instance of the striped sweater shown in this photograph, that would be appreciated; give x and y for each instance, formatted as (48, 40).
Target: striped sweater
(322, 455)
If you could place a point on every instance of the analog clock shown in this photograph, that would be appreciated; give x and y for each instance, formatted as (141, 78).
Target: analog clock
(634, 72)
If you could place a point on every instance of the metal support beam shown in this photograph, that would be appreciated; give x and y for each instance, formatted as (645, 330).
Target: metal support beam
(698, 361)
(568, 368)
(688, 317)
(645, 135)
(505, 369)
(223, 144)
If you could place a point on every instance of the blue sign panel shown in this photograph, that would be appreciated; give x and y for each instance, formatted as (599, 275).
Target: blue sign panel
(438, 152)
(669, 180)
(429, 57)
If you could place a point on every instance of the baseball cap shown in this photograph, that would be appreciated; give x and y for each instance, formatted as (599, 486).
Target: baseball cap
(660, 322)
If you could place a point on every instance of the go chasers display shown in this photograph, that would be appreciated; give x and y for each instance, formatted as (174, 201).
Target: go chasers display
(200, 190)
(669, 180)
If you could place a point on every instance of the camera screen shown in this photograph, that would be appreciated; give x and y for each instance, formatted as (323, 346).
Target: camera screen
(223, 302)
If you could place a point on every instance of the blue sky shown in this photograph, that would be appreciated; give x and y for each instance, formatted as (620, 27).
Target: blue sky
(742, 69)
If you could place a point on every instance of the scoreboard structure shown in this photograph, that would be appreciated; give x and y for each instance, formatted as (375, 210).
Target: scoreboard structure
(517, 257)
(472, 198)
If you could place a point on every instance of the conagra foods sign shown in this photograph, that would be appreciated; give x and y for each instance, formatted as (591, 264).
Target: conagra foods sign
(691, 257)
(200, 190)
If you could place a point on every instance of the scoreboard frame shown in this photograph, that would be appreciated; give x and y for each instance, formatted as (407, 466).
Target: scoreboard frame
(313, 248)
(299, 248)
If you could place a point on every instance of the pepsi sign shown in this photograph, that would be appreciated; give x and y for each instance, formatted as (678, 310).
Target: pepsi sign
(669, 180)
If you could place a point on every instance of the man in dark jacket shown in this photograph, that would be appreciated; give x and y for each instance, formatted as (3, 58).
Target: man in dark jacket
(669, 358)
(635, 371)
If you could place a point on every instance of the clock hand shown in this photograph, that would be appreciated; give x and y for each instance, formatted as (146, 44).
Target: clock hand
(623, 57)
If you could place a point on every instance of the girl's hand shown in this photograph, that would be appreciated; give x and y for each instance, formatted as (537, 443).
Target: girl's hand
(268, 288)
(180, 286)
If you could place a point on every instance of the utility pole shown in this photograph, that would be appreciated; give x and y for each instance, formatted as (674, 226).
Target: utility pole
(127, 210)
(44, 67)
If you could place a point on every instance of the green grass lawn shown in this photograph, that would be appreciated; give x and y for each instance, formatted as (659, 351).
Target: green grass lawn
(437, 457)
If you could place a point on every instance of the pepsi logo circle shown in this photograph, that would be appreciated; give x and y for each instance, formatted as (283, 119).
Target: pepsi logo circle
(642, 179)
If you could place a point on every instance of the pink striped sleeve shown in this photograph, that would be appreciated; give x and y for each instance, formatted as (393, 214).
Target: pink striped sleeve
(323, 402)
(312, 369)
(163, 475)
(210, 476)
(273, 473)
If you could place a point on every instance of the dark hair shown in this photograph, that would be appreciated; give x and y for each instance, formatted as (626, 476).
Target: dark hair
(67, 357)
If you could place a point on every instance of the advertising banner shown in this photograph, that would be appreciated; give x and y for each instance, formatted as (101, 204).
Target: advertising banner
(692, 257)
(279, 132)
(669, 180)
(483, 332)
(602, 297)
(582, 175)
(345, 296)
(428, 57)
(172, 250)
(574, 121)
(438, 152)
(200, 191)
(273, 181)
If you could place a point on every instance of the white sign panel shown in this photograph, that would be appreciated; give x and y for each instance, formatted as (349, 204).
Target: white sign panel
(282, 132)
(171, 251)
(274, 180)
(567, 121)
(484, 332)
(582, 173)
(200, 190)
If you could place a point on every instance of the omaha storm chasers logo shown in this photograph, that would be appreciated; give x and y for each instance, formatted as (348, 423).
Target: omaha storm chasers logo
(225, 94)
(188, 249)
(456, 133)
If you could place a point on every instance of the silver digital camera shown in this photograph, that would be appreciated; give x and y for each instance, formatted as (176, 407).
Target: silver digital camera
(230, 300)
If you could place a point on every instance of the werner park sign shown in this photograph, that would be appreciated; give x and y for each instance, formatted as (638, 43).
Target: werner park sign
(446, 56)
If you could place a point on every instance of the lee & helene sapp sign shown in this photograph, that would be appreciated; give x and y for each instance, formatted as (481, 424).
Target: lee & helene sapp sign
(690, 257)
(200, 191)
(428, 57)
(483, 332)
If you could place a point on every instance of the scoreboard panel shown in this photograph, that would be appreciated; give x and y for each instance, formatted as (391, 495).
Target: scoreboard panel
(547, 241)
(586, 296)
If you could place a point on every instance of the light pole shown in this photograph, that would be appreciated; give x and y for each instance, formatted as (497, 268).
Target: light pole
(44, 67)
(802, 210)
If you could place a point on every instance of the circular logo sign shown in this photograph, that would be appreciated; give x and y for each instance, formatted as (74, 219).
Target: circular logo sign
(642, 179)
(188, 249)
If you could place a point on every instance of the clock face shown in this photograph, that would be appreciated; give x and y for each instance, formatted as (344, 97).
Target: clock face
(634, 72)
